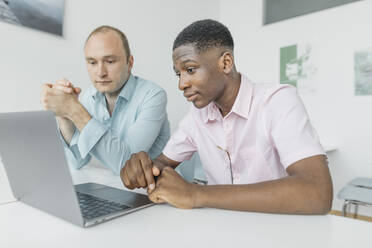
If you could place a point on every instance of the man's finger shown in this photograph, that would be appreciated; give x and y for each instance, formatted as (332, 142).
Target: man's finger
(128, 182)
(65, 82)
(77, 90)
(65, 89)
(146, 164)
(123, 176)
(156, 197)
(157, 168)
(141, 180)
(47, 85)
(133, 170)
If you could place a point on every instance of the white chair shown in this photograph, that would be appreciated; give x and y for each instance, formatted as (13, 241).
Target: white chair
(357, 192)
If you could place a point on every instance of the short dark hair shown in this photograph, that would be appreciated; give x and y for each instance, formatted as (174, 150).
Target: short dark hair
(204, 34)
(105, 29)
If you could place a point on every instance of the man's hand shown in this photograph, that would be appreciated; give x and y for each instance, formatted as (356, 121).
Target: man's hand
(60, 98)
(139, 172)
(66, 86)
(66, 125)
(173, 189)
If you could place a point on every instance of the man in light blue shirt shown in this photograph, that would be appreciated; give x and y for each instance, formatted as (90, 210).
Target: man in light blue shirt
(120, 114)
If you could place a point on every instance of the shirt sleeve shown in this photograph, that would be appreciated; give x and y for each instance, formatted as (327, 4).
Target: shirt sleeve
(72, 152)
(74, 158)
(113, 150)
(289, 127)
(181, 146)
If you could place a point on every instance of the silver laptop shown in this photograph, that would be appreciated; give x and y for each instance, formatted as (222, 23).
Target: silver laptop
(38, 173)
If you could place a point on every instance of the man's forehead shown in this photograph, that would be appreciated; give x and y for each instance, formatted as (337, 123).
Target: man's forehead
(189, 52)
(184, 52)
(103, 47)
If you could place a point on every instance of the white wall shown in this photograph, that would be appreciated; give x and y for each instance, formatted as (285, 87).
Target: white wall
(29, 58)
(339, 117)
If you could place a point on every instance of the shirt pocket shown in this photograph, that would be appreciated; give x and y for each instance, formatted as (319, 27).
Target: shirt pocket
(255, 168)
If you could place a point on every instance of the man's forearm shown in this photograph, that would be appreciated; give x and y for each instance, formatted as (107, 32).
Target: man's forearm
(287, 195)
(79, 116)
(67, 128)
(290, 195)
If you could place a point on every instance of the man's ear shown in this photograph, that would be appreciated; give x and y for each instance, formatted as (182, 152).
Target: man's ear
(130, 62)
(226, 62)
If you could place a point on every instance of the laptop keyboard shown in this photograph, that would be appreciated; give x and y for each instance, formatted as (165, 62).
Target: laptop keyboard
(92, 207)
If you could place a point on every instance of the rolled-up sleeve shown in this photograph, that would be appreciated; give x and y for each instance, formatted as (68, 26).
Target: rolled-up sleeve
(72, 152)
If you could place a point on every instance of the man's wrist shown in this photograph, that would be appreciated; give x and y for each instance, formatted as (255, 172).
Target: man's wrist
(197, 195)
(79, 116)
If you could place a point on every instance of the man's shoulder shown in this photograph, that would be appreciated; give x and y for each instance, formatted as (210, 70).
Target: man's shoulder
(273, 92)
(145, 85)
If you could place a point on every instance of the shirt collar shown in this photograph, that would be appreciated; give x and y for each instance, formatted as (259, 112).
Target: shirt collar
(128, 89)
(242, 104)
(243, 101)
(126, 92)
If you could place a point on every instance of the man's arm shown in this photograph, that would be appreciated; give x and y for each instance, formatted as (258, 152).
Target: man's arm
(96, 138)
(139, 170)
(113, 149)
(307, 190)
(67, 128)
(62, 98)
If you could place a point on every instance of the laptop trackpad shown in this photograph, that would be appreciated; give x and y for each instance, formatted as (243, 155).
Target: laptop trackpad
(128, 198)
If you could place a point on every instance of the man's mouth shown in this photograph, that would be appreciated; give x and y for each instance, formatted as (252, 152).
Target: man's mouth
(103, 82)
(190, 96)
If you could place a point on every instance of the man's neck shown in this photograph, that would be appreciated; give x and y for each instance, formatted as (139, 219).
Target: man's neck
(111, 98)
(226, 101)
(110, 103)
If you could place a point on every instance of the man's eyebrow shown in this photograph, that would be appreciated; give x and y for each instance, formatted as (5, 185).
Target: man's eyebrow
(105, 57)
(187, 61)
(110, 57)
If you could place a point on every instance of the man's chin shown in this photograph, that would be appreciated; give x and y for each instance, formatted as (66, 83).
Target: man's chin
(199, 104)
(103, 88)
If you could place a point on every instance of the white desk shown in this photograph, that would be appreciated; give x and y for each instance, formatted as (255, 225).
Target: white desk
(165, 226)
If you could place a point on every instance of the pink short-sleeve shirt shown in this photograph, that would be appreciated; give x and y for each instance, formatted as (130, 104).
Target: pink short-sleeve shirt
(266, 131)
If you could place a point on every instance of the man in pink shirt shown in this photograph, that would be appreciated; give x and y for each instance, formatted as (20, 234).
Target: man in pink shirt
(257, 146)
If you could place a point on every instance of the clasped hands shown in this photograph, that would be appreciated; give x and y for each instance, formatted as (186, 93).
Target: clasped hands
(60, 97)
(163, 183)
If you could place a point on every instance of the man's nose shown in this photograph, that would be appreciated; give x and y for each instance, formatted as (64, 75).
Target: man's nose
(183, 83)
(102, 71)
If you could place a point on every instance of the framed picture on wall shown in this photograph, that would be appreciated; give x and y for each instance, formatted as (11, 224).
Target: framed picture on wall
(279, 10)
(44, 15)
(298, 66)
(363, 72)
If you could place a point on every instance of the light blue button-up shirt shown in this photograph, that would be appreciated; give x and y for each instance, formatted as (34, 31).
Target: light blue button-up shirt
(139, 122)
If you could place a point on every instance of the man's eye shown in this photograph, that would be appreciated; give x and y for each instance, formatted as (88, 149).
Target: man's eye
(92, 62)
(110, 61)
(190, 70)
(177, 74)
